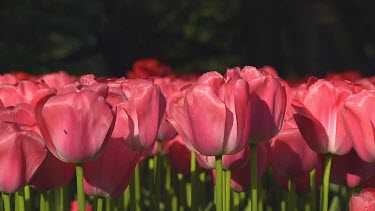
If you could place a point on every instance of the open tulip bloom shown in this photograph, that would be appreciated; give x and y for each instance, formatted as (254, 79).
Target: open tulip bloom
(160, 143)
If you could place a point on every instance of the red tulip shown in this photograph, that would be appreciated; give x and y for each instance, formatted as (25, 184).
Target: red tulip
(364, 201)
(70, 124)
(268, 103)
(318, 117)
(213, 117)
(359, 115)
(21, 153)
(145, 68)
(109, 175)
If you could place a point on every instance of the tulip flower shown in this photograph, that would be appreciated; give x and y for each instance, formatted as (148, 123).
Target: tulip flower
(179, 156)
(21, 153)
(359, 116)
(289, 154)
(145, 119)
(364, 201)
(213, 117)
(349, 170)
(72, 130)
(109, 175)
(321, 124)
(52, 173)
(268, 103)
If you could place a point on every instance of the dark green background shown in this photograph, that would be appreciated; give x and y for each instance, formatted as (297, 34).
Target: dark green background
(105, 37)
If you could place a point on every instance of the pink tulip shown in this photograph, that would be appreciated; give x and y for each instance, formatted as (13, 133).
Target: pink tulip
(21, 153)
(52, 173)
(109, 175)
(213, 116)
(318, 117)
(145, 106)
(364, 201)
(349, 170)
(23, 92)
(359, 115)
(179, 156)
(289, 154)
(268, 103)
(57, 79)
(72, 129)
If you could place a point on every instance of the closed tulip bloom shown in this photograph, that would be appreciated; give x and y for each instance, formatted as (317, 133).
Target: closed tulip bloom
(21, 153)
(71, 125)
(364, 201)
(145, 106)
(349, 170)
(179, 156)
(111, 173)
(213, 116)
(52, 173)
(359, 115)
(269, 99)
(289, 154)
(318, 117)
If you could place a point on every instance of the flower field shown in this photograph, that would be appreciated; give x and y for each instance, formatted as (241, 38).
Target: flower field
(154, 140)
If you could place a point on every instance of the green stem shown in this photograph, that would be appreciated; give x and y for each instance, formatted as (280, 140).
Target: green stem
(254, 178)
(6, 201)
(181, 191)
(108, 204)
(80, 191)
(126, 199)
(326, 175)
(236, 201)
(21, 200)
(291, 194)
(99, 203)
(26, 190)
(42, 203)
(227, 190)
(193, 178)
(135, 192)
(157, 177)
(219, 184)
(313, 190)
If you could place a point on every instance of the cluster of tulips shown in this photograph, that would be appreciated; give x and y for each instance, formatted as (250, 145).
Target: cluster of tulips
(245, 140)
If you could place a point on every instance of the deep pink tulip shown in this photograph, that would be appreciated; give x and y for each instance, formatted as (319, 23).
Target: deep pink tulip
(145, 106)
(21, 153)
(8, 78)
(213, 116)
(289, 154)
(319, 119)
(364, 201)
(111, 173)
(72, 129)
(359, 115)
(179, 156)
(349, 170)
(269, 99)
(52, 173)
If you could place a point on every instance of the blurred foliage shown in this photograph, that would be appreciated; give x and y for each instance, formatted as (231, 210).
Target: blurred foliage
(105, 37)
